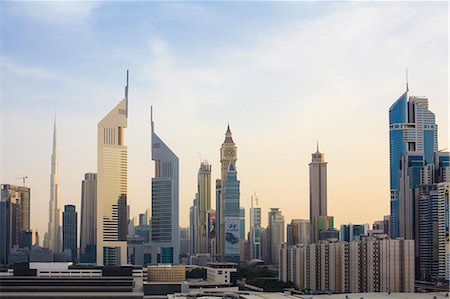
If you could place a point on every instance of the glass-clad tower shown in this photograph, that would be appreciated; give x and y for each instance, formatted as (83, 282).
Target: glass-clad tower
(165, 202)
(412, 144)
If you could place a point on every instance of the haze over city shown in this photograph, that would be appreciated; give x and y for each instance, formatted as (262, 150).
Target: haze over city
(283, 75)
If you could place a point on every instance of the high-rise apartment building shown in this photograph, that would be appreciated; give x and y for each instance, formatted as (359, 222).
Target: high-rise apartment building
(70, 231)
(412, 145)
(54, 213)
(88, 223)
(204, 205)
(317, 191)
(298, 232)
(372, 265)
(165, 202)
(275, 234)
(112, 171)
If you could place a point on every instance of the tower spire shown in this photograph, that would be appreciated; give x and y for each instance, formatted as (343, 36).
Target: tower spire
(407, 87)
(317, 145)
(126, 95)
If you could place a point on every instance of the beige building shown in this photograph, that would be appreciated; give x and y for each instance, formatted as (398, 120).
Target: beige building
(317, 191)
(112, 161)
(204, 205)
(372, 265)
(166, 273)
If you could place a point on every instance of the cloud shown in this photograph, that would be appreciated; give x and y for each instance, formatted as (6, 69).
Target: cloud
(12, 69)
(56, 11)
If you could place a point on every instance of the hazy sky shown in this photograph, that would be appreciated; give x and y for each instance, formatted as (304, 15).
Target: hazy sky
(283, 74)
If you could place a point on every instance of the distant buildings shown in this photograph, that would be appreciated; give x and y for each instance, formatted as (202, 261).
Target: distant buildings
(317, 192)
(349, 232)
(112, 168)
(298, 232)
(14, 218)
(70, 231)
(88, 223)
(54, 214)
(165, 202)
(359, 266)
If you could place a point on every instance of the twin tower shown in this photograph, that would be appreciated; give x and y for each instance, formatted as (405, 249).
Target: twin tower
(112, 172)
(112, 164)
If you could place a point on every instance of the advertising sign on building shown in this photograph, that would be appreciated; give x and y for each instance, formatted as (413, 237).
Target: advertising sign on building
(232, 244)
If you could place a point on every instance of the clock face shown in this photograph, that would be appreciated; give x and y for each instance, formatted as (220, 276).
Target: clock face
(229, 152)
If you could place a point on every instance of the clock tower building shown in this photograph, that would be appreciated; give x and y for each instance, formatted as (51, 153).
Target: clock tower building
(228, 155)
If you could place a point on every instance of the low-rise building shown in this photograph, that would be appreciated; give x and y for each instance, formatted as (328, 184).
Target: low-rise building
(166, 273)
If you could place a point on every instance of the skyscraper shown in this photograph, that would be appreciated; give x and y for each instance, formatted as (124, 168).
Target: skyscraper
(317, 191)
(228, 154)
(255, 229)
(276, 234)
(112, 165)
(231, 215)
(70, 230)
(165, 203)
(12, 219)
(54, 213)
(88, 229)
(204, 205)
(412, 128)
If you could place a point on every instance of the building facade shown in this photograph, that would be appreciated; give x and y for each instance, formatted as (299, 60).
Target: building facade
(165, 202)
(112, 172)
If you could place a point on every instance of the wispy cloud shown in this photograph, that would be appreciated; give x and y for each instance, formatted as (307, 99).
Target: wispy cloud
(56, 11)
(13, 69)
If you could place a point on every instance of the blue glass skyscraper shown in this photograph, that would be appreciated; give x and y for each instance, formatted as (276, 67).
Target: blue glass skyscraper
(412, 145)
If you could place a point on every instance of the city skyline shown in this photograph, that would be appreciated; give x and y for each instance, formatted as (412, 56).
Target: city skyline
(336, 134)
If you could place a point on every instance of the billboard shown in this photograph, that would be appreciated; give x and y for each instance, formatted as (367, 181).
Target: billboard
(232, 240)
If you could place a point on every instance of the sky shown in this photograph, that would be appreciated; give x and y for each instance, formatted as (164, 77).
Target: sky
(284, 75)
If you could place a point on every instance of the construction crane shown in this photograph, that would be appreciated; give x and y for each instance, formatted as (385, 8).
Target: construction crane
(23, 178)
